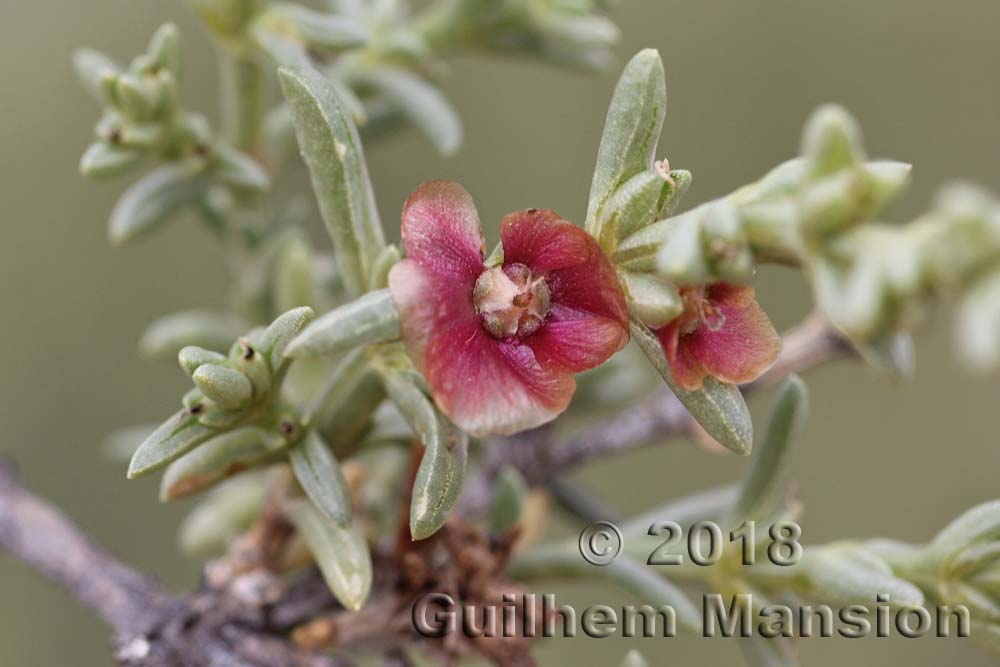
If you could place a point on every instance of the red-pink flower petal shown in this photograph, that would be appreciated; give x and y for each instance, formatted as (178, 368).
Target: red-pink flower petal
(687, 371)
(427, 302)
(588, 321)
(576, 341)
(487, 386)
(441, 231)
(744, 346)
(544, 241)
(737, 346)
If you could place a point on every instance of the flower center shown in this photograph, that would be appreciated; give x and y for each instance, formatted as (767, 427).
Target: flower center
(698, 311)
(511, 300)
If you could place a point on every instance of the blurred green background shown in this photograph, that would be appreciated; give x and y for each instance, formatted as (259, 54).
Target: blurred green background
(877, 459)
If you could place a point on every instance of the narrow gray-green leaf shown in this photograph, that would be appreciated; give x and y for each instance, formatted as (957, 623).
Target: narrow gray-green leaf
(763, 487)
(175, 437)
(224, 386)
(275, 339)
(388, 258)
(224, 514)
(372, 318)
(164, 48)
(631, 131)
(634, 204)
(93, 67)
(281, 48)
(851, 574)
(240, 170)
(508, 500)
(292, 282)
(718, 407)
(979, 523)
(332, 151)
(343, 409)
(192, 357)
(320, 477)
(320, 29)
(223, 456)
(104, 160)
(341, 553)
(651, 298)
(153, 200)
(438, 482)
(421, 102)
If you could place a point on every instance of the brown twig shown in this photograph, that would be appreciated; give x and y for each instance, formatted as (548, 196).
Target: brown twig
(151, 628)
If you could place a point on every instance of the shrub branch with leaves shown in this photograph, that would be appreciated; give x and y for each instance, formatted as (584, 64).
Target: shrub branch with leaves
(405, 438)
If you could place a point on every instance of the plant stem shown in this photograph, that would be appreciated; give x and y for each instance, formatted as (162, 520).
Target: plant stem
(242, 84)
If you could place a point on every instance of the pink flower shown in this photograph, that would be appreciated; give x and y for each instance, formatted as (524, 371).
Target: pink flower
(499, 344)
(723, 332)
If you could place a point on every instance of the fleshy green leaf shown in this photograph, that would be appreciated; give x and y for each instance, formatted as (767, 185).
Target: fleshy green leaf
(831, 141)
(153, 200)
(275, 339)
(93, 69)
(981, 523)
(192, 357)
(104, 160)
(421, 102)
(332, 151)
(631, 131)
(239, 170)
(224, 386)
(718, 407)
(164, 48)
(320, 477)
(639, 202)
(322, 30)
(372, 318)
(223, 456)
(388, 258)
(341, 553)
(763, 487)
(651, 299)
(292, 282)
(508, 500)
(222, 515)
(850, 574)
(175, 437)
(438, 483)
(977, 325)
(343, 409)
